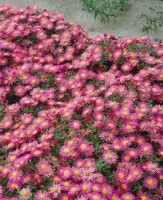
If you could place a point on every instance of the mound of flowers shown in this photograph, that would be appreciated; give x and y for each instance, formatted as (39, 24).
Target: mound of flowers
(80, 118)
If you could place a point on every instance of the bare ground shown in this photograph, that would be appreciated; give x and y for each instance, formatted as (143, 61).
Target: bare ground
(128, 25)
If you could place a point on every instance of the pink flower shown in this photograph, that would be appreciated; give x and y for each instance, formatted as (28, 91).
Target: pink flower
(25, 193)
(66, 151)
(127, 196)
(6, 123)
(132, 153)
(15, 175)
(44, 168)
(26, 178)
(13, 109)
(106, 136)
(1, 191)
(121, 175)
(65, 172)
(106, 190)
(20, 90)
(150, 182)
(110, 157)
(145, 148)
(129, 127)
(74, 189)
(135, 173)
(95, 195)
(87, 174)
(126, 67)
(41, 195)
(152, 167)
(65, 197)
(143, 195)
(85, 187)
(110, 124)
(75, 124)
(55, 190)
(76, 173)
(12, 185)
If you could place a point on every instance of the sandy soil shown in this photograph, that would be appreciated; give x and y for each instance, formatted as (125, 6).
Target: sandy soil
(128, 25)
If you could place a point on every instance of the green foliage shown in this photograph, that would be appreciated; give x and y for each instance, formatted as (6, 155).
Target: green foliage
(153, 23)
(105, 9)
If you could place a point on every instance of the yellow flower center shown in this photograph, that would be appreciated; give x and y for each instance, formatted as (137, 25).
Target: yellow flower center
(121, 175)
(150, 182)
(104, 191)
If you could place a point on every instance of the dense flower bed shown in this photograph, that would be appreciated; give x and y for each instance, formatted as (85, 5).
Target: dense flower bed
(80, 118)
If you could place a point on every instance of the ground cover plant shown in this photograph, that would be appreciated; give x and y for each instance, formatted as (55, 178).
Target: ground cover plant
(80, 118)
(106, 10)
(155, 22)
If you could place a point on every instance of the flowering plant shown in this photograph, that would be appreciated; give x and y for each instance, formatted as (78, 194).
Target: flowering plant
(80, 118)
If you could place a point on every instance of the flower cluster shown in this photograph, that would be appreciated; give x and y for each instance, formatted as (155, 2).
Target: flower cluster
(80, 118)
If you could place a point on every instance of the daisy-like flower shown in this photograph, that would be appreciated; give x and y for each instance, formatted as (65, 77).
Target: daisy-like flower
(135, 173)
(87, 174)
(117, 54)
(26, 118)
(95, 187)
(140, 140)
(72, 143)
(37, 178)
(65, 197)
(0, 191)
(106, 190)
(95, 196)
(125, 142)
(79, 163)
(110, 157)
(129, 127)
(12, 157)
(41, 195)
(83, 146)
(74, 189)
(65, 172)
(66, 184)
(150, 182)
(127, 196)
(19, 90)
(55, 190)
(117, 146)
(82, 197)
(13, 109)
(152, 167)
(76, 173)
(12, 185)
(6, 123)
(121, 175)
(25, 193)
(106, 136)
(15, 175)
(132, 153)
(44, 168)
(143, 196)
(145, 148)
(75, 124)
(160, 152)
(85, 187)
(110, 124)
(26, 178)
(89, 163)
(66, 151)
(114, 196)
(124, 186)
(126, 67)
